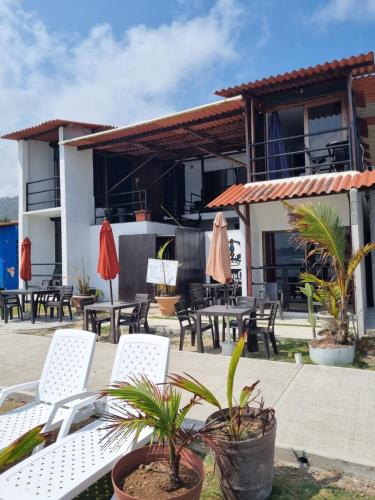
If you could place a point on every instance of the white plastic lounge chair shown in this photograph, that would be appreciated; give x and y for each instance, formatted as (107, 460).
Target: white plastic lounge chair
(64, 379)
(70, 465)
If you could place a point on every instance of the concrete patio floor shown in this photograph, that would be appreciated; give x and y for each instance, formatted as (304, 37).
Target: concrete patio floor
(324, 414)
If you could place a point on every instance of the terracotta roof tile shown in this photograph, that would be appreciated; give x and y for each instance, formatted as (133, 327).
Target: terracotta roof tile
(291, 78)
(296, 187)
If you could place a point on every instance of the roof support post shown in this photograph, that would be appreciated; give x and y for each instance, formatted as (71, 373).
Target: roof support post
(352, 124)
(248, 121)
(249, 272)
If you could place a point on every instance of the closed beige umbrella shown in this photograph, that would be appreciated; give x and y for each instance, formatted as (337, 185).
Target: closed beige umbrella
(218, 262)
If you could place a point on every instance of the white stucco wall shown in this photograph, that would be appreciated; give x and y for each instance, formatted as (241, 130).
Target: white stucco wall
(77, 205)
(119, 230)
(271, 216)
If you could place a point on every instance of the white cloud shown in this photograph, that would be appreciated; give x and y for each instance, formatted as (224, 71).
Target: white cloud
(344, 10)
(103, 77)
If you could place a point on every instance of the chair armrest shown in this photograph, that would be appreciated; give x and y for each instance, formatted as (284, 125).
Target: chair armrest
(92, 398)
(4, 393)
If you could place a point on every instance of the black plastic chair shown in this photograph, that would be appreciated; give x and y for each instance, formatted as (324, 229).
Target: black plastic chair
(139, 297)
(271, 295)
(187, 324)
(268, 331)
(7, 304)
(62, 298)
(96, 320)
(198, 300)
(138, 319)
(246, 302)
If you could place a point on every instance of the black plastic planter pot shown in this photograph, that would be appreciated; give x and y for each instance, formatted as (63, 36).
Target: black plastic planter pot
(248, 466)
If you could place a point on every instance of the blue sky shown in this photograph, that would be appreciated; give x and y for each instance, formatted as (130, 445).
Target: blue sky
(120, 61)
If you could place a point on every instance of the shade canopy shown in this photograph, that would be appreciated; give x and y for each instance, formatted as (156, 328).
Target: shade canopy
(108, 265)
(218, 262)
(25, 270)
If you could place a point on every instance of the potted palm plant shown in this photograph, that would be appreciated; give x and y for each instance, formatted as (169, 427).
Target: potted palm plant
(166, 295)
(165, 469)
(320, 228)
(241, 436)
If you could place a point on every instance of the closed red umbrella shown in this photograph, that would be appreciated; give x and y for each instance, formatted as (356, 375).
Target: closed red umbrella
(108, 265)
(25, 270)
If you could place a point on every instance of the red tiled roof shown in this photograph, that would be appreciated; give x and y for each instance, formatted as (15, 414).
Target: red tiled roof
(296, 187)
(48, 131)
(291, 79)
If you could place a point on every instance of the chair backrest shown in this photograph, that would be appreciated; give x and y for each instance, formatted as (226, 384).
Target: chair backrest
(272, 316)
(182, 313)
(87, 301)
(141, 297)
(143, 311)
(246, 301)
(66, 289)
(196, 295)
(140, 354)
(67, 365)
(270, 291)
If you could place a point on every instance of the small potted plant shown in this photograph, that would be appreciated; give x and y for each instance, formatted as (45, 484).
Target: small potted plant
(241, 436)
(165, 468)
(84, 289)
(142, 214)
(320, 228)
(166, 295)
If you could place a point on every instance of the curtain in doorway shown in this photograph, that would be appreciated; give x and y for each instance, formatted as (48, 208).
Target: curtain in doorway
(278, 166)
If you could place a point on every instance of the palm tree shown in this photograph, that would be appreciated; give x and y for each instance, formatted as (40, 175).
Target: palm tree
(319, 226)
(142, 404)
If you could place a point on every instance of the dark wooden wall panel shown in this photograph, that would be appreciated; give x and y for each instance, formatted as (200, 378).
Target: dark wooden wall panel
(134, 252)
(190, 252)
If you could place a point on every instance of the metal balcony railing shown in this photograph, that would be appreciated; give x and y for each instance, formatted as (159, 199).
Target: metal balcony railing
(43, 193)
(335, 155)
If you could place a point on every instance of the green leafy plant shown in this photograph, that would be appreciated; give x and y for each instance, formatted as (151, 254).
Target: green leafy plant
(236, 420)
(23, 446)
(164, 289)
(319, 226)
(308, 291)
(142, 404)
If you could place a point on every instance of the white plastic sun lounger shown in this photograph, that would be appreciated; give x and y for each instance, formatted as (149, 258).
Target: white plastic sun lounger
(63, 381)
(70, 465)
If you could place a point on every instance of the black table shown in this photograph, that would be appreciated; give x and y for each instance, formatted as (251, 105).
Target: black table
(216, 311)
(24, 292)
(112, 309)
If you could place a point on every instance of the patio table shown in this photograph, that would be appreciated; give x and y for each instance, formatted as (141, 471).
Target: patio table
(216, 287)
(23, 292)
(107, 307)
(216, 311)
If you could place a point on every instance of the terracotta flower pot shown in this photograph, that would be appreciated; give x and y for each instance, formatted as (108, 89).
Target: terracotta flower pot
(145, 456)
(142, 215)
(166, 304)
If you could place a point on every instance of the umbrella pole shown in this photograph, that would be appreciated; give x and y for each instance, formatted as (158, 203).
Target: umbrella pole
(110, 290)
(26, 285)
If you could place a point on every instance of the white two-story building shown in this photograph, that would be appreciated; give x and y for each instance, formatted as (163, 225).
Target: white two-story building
(305, 134)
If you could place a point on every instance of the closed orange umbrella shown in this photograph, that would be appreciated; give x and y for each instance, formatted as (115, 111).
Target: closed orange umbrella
(25, 271)
(218, 262)
(108, 265)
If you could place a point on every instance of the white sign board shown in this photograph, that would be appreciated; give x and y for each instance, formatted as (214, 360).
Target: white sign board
(162, 272)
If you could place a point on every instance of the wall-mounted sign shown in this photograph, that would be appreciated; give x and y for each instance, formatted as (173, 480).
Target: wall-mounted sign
(162, 272)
